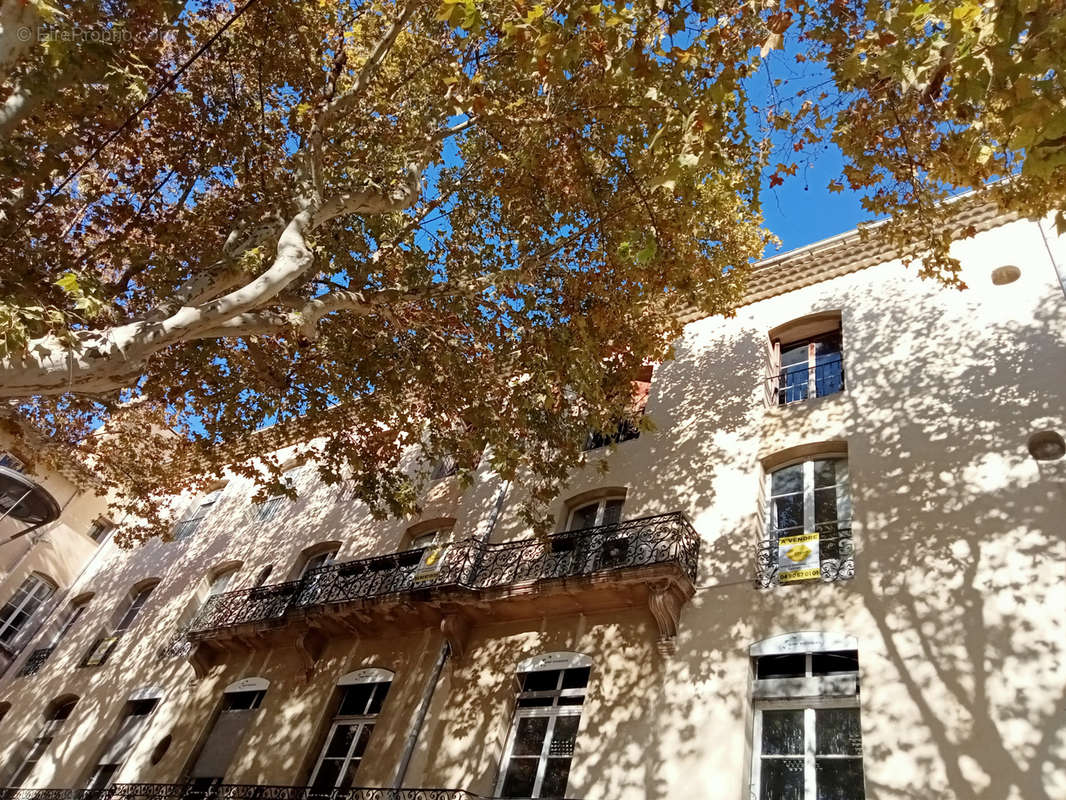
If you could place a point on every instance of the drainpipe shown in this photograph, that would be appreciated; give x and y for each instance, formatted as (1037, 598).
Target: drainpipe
(1051, 256)
(438, 667)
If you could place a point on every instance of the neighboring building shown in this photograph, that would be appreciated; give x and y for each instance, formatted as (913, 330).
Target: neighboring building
(38, 567)
(834, 571)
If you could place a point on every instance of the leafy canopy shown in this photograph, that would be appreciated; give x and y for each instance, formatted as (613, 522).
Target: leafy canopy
(464, 224)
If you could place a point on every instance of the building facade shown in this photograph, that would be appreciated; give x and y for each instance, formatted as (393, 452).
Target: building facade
(835, 570)
(39, 566)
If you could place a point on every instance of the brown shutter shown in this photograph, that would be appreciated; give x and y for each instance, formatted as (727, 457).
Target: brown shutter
(772, 371)
(222, 743)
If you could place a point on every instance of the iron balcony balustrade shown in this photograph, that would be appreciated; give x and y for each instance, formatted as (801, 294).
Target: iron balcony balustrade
(651, 560)
(35, 661)
(184, 791)
(835, 550)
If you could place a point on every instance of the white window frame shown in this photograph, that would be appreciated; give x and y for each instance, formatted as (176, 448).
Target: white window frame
(809, 706)
(361, 721)
(135, 604)
(601, 508)
(196, 513)
(552, 661)
(29, 588)
(809, 693)
(11, 461)
(322, 558)
(74, 610)
(843, 494)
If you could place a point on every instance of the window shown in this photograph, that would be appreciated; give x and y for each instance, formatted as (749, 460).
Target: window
(805, 359)
(100, 529)
(444, 468)
(11, 462)
(240, 702)
(362, 694)
(71, 616)
(101, 649)
(808, 741)
(122, 743)
(607, 511)
(26, 601)
(135, 603)
(272, 506)
(316, 558)
(54, 717)
(540, 747)
(195, 514)
(626, 428)
(809, 522)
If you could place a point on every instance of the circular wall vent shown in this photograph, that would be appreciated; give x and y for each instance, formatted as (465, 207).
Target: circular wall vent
(1001, 276)
(1047, 446)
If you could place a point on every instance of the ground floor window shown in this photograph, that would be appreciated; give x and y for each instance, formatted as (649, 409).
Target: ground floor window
(807, 740)
(540, 747)
(350, 730)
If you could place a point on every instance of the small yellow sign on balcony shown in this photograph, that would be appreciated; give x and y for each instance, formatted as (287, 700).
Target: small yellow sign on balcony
(798, 558)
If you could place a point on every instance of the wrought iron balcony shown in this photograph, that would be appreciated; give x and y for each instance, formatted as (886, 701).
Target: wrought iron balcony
(183, 791)
(660, 552)
(829, 556)
(35, 661)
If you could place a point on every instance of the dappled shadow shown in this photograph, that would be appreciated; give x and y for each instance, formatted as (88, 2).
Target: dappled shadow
(958, 602)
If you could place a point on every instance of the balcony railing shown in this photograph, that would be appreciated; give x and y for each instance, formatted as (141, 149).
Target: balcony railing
(802, 382)
(180, 791)
(468, 564)
(35, 661)
(834, 557)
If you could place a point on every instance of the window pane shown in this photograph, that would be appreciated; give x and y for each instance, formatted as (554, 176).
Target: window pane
(564, 736)
(835, 661)
(789, 479)
(555, 776)
(349, 774)
(782, 732)
(781, 779)
(541, 681)
(825, 473)
(585, 517)
(355, 699)
(612, 512)
(827, 347)
(787, 512)
(377, 700)
(838, 732)
(529, 736)
(341, 742)
(825, 505)
(792, 665)
(328, 773)
(794, 354)
(839, 778)
(576, 678)
(364, 738)
(534, 702)
(521, 773)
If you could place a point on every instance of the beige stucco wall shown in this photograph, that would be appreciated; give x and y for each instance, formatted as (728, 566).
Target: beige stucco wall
(59, 550)
(958, 603)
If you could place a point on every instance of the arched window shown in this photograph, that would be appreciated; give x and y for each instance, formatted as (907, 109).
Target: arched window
(71, 615)
(429, 533)
(805, 359)
(593, 509)
(26, 601)
(134, 603)
(239, 707)
(197, 512)
(540, 747)
(361, 697)
(221, 580)
(316, 557)
(808, 520)
(54, 716)
(807, 736)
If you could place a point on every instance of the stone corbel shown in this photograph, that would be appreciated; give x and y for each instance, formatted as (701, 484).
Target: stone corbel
(665, 601)
(201, 658)
(456, 630)
(309, 647)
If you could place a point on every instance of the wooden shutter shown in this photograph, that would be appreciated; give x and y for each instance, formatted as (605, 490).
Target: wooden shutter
(772, 366)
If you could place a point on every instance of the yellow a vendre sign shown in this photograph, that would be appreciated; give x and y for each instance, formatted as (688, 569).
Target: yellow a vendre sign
(798, 558)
